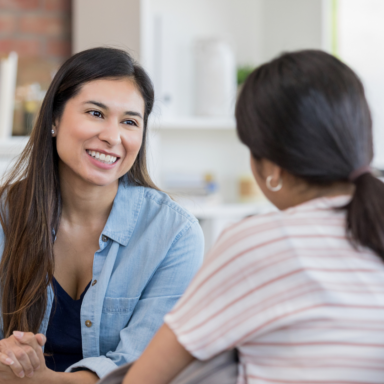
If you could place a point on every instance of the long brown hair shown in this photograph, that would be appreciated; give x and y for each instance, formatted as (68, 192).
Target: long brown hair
(30, 193)
(306, 111)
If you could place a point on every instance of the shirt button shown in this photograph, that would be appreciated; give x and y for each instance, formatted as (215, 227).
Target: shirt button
(88, 323)
(104, 238)
(94, 282)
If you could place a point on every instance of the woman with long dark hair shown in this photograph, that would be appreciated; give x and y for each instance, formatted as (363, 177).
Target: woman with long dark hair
(93, 254)
(299, 292)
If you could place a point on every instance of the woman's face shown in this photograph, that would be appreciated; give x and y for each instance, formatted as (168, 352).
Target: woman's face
(100, 131)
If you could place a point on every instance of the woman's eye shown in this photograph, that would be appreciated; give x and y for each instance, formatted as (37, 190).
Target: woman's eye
(95, 113)
(129, 122)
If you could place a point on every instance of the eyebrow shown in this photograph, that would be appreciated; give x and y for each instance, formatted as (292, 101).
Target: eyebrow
(103, 106)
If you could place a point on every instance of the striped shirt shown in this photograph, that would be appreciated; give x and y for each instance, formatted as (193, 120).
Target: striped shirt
(290, 292)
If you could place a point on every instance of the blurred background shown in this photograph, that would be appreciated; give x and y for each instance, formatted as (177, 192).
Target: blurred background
(198, 53)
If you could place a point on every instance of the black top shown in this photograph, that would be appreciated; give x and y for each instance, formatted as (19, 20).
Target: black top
(64, 344)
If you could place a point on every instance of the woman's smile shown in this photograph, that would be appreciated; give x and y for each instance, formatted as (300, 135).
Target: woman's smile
(102, 159)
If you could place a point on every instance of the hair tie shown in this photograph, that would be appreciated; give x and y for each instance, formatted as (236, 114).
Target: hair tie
(359, 172)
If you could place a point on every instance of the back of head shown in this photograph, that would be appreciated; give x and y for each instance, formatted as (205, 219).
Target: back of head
(306, 111)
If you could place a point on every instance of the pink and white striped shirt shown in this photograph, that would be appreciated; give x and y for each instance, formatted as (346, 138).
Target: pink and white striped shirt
(291, 293)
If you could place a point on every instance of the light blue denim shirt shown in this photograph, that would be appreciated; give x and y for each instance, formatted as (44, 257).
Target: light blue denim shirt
(150, 249)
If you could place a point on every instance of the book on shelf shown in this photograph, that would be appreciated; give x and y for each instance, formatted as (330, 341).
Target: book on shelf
(8, 73)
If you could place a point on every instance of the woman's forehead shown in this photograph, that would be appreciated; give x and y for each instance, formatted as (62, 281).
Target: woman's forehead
(113, 93)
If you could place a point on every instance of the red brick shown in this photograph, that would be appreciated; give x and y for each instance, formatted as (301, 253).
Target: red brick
(7, 23)
(44, 25)
(58, 48)
(20, 4)
(57, 5)
(25, 47)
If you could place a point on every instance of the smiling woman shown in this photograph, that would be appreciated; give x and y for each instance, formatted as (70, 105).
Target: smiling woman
(106, 110)
(93, 254)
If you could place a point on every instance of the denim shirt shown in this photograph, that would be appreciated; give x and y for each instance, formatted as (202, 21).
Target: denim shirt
(150, 249)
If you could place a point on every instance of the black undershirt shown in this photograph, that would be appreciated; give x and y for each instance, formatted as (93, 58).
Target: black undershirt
(64, 344)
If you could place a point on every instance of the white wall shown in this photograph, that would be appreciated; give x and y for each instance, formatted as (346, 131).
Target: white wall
(361, 40)
(291, 25)
(106, 22)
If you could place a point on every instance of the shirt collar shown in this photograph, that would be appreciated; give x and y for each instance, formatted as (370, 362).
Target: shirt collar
(322, 203)
(125, 212)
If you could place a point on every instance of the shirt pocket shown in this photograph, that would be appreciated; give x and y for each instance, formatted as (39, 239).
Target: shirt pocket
(115, 316)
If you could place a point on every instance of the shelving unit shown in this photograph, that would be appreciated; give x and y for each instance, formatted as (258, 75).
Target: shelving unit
(193, 123)
(12, 146)
(10, 149)
(179, 141)
(229, 211)
(257, 30)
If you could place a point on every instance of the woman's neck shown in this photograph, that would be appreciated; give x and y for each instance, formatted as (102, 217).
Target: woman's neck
(84, 203)
(303, 192)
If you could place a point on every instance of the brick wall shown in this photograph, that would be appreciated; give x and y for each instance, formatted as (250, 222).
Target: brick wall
(40, 32)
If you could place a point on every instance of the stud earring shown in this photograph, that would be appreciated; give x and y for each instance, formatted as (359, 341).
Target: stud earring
(53, 132)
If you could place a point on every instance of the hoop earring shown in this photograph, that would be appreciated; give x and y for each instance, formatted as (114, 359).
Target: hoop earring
(269, 186)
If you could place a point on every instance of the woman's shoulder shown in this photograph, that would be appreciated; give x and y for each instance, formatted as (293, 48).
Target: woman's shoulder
(253, 224)
(153, 205)
(315, 224)
(320, 212)
(162, 202)
(156, 216)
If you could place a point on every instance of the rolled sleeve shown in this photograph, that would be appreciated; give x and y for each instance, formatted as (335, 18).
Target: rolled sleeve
(100, 365)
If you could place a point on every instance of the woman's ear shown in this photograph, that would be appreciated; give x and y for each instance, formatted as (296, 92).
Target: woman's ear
(55, 128)
(267, 168)
(275, 171)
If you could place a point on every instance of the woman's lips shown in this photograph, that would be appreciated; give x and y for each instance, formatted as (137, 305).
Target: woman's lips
(104, 157)
(103, 161)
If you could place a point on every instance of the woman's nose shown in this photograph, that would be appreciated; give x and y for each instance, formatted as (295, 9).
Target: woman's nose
(111, 134)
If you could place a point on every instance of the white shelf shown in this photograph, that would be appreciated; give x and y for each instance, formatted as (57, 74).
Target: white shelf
(231, 211)
(193, 123)
(12, 146)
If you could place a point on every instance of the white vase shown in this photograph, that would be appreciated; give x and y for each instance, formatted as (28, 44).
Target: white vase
(215, 85)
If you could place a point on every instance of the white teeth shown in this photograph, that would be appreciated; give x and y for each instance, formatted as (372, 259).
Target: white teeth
(108, 159)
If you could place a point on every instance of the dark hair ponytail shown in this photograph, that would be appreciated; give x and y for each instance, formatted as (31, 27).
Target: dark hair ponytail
(365, 213)
(306, 111)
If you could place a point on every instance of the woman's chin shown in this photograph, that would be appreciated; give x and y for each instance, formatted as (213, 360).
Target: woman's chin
(100, 180)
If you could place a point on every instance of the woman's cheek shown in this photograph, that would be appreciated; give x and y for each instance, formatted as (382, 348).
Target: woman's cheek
(133, 144)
